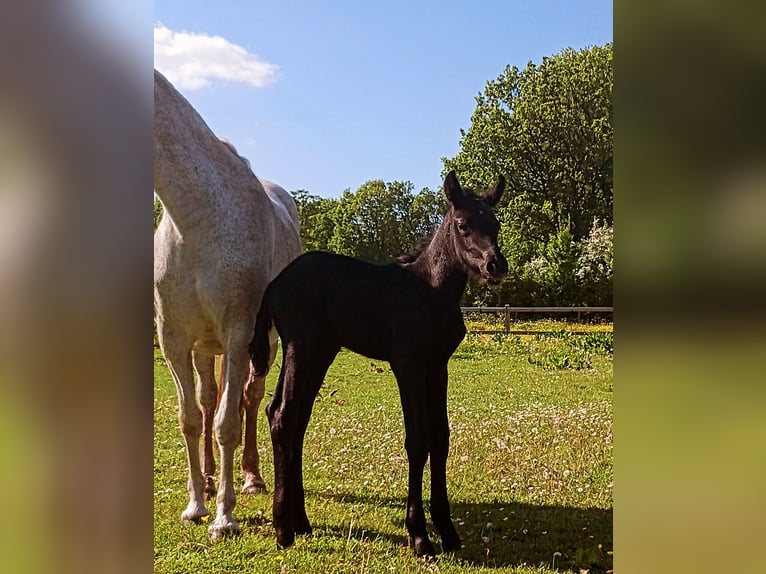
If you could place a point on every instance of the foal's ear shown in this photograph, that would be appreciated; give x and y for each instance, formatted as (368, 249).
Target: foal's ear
(452, 188)
(493, 194)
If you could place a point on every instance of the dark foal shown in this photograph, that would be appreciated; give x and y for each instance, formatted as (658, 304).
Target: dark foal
(406, 313)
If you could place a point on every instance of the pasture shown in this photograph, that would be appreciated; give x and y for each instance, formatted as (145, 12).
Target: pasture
(529, 472)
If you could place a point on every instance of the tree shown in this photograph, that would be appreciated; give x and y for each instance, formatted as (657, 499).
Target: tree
(316, 215)
(381, 221)
(428, 209)
(548, 129)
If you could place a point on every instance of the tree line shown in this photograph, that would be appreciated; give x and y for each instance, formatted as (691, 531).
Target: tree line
(548, 129)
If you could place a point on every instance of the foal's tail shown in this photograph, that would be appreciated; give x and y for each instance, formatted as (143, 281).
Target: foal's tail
(260, 345)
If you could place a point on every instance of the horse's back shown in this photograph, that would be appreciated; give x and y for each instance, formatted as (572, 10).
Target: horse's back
(286, 244)
(282, 201)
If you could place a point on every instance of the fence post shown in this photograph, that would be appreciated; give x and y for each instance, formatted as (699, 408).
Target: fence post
(507, 320)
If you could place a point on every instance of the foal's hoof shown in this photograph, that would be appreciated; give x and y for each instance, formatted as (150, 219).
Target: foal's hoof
(285, 539)
(303, 528)
(423, 548)
(450, 543)
(254, 485)
(223, 527)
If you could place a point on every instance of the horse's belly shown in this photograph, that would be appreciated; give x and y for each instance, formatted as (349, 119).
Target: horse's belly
(373, 344)
(208, 345)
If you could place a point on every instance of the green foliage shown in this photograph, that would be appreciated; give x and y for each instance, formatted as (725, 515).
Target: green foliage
(559, 351)
(599, 342)
(383, 220)
(158, 210)
(552, 271)
(316, 216)
(377, 223)
(548, 129)
(372, 223)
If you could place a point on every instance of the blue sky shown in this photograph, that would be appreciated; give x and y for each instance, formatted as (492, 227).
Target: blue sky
(326, 95)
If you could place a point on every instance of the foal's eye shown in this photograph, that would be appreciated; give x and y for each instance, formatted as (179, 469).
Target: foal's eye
(463, 229)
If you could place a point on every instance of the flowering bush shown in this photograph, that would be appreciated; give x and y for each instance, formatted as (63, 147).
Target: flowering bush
(595, 265)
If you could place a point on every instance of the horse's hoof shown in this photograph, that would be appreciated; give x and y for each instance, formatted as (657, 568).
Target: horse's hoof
(223, 527)
(210, 490)
(254, 487)
(193, 514)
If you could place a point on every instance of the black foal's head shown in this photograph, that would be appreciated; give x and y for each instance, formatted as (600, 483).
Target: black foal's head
(475, 228)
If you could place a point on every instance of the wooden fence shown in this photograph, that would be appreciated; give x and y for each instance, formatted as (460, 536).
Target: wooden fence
(508, 311)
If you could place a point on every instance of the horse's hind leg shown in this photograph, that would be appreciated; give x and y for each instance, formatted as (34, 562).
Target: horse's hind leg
(208, 396)
(438, 450)
(255, 389)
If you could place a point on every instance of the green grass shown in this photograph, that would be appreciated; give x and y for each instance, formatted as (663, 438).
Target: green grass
(529, 472)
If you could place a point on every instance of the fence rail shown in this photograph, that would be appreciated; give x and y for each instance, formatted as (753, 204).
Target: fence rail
(507, 311)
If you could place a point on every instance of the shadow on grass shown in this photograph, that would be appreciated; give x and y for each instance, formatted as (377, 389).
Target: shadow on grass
(505, 533)
(529, 534)
(358, 533)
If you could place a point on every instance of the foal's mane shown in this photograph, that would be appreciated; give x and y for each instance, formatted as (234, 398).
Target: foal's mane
(424, 242)
(413, 255)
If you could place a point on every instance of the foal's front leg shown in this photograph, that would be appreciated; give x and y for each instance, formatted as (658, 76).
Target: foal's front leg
(415, 410)
(417, 453)
(438, 451)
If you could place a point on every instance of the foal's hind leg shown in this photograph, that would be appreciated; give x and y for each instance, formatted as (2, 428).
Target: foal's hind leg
(289, 411)
(208, 396)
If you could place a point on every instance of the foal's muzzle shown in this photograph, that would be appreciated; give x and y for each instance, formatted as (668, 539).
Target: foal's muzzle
(494, 268)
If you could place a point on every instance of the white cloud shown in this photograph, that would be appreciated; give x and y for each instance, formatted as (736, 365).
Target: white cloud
(191, 61)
